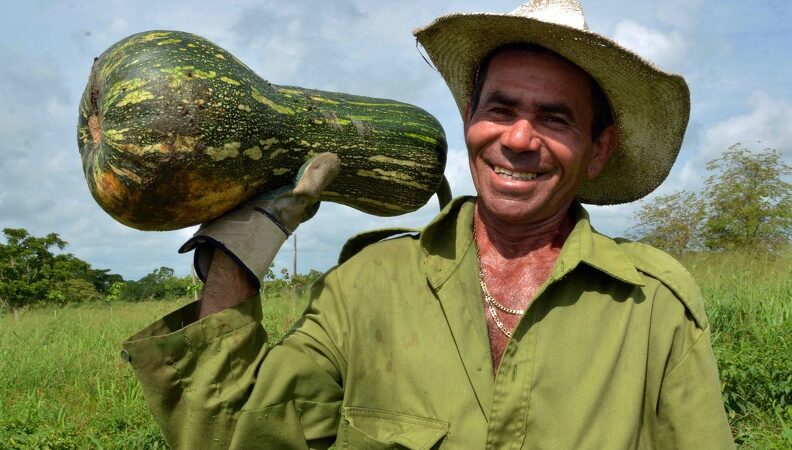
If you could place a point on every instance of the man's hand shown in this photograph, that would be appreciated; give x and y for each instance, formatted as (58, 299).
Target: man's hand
(250, 235)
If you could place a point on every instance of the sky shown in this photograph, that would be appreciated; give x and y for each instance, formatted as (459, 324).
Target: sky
(735, 56)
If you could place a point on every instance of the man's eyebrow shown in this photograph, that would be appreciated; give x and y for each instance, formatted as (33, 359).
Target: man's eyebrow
(501, 98)
(555, 108)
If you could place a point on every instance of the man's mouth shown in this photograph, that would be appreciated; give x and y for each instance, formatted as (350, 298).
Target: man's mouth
(512, 175)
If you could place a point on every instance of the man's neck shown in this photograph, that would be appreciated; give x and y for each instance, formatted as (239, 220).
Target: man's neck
(515, 261)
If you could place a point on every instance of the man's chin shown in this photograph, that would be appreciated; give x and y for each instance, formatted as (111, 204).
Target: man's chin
(507, 210)
(513, 211)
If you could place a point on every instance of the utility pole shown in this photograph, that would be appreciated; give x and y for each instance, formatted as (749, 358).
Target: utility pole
(194, 280)
(294, 256)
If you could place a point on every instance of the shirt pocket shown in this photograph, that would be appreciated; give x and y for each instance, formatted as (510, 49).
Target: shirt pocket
(370, 429)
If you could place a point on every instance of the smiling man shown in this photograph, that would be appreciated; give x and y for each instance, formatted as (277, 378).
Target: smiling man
(531, 144)
(508, 321)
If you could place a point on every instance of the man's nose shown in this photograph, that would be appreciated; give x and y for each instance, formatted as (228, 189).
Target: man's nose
(520, 136)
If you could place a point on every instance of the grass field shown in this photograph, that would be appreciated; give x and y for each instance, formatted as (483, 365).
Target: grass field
(63, 385)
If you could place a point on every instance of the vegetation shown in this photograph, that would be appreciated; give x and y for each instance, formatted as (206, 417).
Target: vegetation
(750, 313)
(671, 222)
(157, 285)
(746, 205)
(62, 384)
(750, 203)
(32, 274)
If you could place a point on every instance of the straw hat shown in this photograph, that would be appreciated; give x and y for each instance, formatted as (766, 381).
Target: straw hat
(650, 107)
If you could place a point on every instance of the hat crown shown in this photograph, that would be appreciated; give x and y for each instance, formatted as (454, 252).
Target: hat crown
(561, 12)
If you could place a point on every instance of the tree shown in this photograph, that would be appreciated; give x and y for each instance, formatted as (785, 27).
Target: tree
(26, 266)
(746, 204)
(749, 204)
(30, 272)
(671, 222)
(158, 284)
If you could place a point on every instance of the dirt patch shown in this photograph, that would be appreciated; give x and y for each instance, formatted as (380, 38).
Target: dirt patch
(95, 126)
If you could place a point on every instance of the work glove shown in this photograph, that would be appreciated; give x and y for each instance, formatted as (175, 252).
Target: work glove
(252, 233)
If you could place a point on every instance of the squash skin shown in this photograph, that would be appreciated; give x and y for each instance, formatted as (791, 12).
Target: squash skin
(174, 131)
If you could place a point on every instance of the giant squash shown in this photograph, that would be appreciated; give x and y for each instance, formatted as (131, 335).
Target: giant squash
(173, 131)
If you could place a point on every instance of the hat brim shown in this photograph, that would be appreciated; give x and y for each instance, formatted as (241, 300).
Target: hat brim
(650, 107)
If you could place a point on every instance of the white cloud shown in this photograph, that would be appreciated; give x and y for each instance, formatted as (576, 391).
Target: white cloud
(765, 125)
(769, 122)
(458, 173)
(120, 25)
(663, 49)
(613, 220)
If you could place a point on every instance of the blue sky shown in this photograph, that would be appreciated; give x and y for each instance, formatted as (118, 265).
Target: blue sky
(734, 55)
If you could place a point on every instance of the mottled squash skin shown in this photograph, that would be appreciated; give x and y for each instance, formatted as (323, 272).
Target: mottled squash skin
(174, 131)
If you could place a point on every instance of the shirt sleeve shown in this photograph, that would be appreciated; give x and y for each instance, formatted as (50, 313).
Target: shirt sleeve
(217, 383)
(690, 412)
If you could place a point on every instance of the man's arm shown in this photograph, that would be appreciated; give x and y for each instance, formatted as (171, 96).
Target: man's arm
(226, 286)
(208, 375)
(690, 409)
(215, 383)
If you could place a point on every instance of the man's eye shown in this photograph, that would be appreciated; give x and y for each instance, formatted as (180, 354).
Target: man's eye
(556, 119)
(499, 110)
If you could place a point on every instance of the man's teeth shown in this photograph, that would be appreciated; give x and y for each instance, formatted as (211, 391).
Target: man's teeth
(514, 175)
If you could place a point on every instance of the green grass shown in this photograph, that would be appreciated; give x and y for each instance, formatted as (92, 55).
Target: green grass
(63, 385)
(749, 305)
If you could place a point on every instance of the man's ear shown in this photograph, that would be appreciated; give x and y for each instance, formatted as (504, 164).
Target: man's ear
(603, 147)
(466, 116)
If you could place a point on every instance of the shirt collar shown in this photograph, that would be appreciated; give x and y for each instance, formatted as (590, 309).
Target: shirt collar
(446, 242)
(586, 245)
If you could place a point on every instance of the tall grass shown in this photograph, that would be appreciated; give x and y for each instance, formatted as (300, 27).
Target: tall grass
(63, 385)
(749, 305)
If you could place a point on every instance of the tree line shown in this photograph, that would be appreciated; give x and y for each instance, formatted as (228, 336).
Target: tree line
(745, 205)
(32, 273)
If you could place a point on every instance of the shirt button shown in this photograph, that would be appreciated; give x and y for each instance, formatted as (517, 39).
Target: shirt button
(125, 356)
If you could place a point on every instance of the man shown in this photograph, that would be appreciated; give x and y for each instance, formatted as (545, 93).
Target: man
(507, 322)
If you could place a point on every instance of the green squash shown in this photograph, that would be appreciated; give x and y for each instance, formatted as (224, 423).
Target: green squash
(174, 131)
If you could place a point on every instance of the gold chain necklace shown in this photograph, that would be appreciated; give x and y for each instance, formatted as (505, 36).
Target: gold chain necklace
(488, 298)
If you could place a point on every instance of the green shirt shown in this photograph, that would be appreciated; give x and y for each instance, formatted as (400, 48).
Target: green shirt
(393, 352)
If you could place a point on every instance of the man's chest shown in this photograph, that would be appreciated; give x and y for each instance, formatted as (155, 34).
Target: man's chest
(573, 360)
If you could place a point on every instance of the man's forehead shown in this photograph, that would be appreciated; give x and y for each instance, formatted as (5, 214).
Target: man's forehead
(531, 56)
(509, 73)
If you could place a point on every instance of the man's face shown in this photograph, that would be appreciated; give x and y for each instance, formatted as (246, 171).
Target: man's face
(529, 140)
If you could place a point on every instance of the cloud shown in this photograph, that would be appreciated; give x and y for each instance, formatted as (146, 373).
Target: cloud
(28, 123)
(764, 125)
(613, 220)
(664, 49)
(679, 13)
(767, 122)
(344, 46)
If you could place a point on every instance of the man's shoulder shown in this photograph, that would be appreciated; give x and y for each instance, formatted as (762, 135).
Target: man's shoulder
(380, 242)
(385, 240)
(659, 265)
